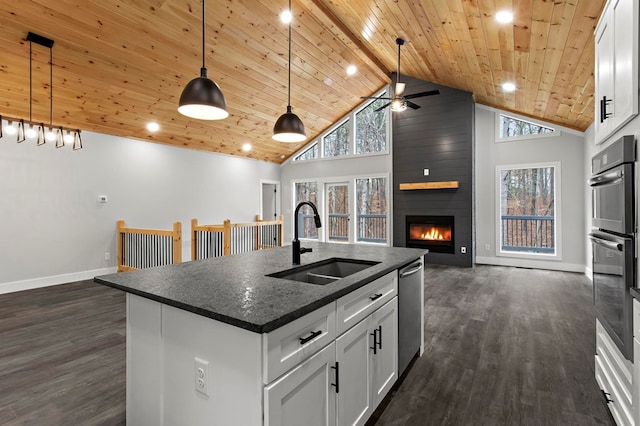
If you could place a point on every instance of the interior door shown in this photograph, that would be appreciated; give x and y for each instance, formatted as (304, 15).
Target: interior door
(338, 228)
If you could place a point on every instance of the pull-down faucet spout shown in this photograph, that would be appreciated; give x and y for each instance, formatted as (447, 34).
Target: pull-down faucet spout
(297, 250)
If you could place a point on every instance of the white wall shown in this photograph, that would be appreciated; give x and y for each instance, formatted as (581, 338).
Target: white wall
(327, 168)
(569, 150)
(53, 228)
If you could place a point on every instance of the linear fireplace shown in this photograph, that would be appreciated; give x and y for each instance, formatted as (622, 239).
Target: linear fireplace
(435, 233)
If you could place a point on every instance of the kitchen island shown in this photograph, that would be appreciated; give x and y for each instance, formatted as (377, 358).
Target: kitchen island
(204, 336)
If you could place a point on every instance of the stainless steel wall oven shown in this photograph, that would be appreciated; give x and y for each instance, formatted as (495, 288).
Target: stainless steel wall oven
(614, 258)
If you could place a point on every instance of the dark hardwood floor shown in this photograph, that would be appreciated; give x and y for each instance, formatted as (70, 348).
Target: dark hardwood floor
(62, 356)
(504, 346)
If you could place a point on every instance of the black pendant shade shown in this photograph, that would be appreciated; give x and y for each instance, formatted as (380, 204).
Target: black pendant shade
(202, 98)
(289, 128)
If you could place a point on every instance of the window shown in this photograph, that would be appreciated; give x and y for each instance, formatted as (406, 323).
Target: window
(371, 128)
(363, 131)
(306, 191)
(371, 210)
(310, 153)
(336, 143)
(528, 213)
(509, 128)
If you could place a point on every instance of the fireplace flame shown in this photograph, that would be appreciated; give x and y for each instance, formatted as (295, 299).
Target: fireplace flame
(433, 234)
(430, 233)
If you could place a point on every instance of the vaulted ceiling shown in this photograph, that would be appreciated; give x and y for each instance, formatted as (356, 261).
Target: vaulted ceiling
(120, 64)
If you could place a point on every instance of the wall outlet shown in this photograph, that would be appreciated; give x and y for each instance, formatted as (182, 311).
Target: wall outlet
(463, 250)
(426, 172)
(103, 199)
(201, 375)
(107, 256)
(487, 247)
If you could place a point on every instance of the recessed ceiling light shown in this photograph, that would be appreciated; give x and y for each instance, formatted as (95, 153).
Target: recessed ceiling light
(246, 147)
(351, 69)
(504, 17)
(282, 156)
(509, 86)
(286, 17)
(153, 126)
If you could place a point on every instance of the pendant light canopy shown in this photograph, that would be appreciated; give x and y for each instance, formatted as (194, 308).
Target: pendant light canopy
(289, 127)
(202, 98)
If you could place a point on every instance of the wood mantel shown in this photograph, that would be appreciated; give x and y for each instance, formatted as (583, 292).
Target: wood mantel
(452, 184)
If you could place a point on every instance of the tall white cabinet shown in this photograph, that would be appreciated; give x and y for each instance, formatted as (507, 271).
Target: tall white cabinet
(616, 67)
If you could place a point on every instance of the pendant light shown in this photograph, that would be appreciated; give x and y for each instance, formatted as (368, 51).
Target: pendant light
(289, 127)
(202, 98)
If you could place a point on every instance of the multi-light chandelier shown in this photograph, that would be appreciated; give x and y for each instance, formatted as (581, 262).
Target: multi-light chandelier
(29, 129)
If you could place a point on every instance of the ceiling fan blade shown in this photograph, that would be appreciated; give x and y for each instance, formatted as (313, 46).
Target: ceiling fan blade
(383, 107)
(412, 105)
(375, 97)
(421, 94)
(399, 89)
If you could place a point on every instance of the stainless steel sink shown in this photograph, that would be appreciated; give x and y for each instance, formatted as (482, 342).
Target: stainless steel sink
(325, 271)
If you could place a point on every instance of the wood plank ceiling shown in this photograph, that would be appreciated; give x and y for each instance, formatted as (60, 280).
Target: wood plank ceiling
(120, 64)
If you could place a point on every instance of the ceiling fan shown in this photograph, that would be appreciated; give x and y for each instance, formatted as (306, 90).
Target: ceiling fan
(400, 102)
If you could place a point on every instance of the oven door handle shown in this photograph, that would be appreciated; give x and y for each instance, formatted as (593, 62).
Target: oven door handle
(606, 178)
(612, 245)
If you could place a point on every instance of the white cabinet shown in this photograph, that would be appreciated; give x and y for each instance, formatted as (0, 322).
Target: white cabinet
(354, 353)
(385, 358)
(614, 376)
(367, 356)
(305, 395)
(616, 67)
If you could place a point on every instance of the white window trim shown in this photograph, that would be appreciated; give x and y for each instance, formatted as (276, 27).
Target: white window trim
(557, 208)
(323, 209)
(351, 116)
(556, 132)
(307, 148)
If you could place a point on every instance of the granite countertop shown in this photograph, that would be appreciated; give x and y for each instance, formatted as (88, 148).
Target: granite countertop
(235, 289)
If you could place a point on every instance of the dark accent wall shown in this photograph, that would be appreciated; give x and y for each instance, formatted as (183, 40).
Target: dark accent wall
(440, 137)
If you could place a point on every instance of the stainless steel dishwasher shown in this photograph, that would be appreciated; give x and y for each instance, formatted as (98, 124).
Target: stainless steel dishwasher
(410, 284)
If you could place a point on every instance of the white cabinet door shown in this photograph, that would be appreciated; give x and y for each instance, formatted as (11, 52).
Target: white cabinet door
(603, 78)
(625, 68)
(305, 395)
(385, 359)
(616, 67)
(353, 355)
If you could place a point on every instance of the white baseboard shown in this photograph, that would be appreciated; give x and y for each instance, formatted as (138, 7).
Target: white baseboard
(11, 287)
(526, 263)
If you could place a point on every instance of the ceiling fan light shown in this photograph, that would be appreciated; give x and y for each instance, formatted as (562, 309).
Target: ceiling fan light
(398, 105)
(289, 128)
(202, 99)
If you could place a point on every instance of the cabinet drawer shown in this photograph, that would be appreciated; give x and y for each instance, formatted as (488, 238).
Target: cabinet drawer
(289, 345)
(636, 319)
(355, 306)
(614, 376)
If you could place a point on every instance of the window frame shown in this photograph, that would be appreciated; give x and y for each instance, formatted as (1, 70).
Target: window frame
(557, 178)
(498, 139)
(351, 117)
(321, 184)
(305, 150)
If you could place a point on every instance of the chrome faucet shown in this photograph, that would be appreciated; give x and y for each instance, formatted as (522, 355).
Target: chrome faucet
(297, 250)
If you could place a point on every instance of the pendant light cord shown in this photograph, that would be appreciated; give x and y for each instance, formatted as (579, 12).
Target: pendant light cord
(289, 85)
(203, 38)
(51, 87)
(30, 83)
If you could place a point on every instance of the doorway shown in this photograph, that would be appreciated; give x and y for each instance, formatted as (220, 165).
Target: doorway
(270, 199)
(338, 212)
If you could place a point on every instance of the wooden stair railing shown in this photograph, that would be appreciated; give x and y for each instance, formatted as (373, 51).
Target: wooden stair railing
(146, 248)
